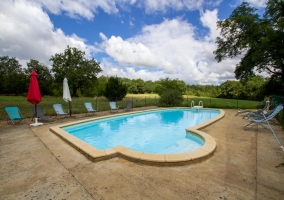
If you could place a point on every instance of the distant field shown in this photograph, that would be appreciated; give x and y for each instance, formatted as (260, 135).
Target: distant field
(139, 100)
(151, 96)
(142, 95)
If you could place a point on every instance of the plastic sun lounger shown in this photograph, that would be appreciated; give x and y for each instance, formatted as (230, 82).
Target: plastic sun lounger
(14, 114)
(256, 120)
(59, 111)
(113, 106)
(90, 108)
(256, 112)
(260, 119)
(129, 106)
(40, 114)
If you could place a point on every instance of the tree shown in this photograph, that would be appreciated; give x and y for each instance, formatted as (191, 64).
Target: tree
(230, 89)
(100, 86)
(13, 80)
(44, 77)
(173, 84)
(259, 39)
(170, 97)
(253, 88)
(149, 87)
(115, 90)
(132, 89)
(127, 82)
(272, 86)
(140, 85)
(80, 72)
(203, 90)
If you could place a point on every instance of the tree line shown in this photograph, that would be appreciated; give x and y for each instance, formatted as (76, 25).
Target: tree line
(84, 81)
(81, 73)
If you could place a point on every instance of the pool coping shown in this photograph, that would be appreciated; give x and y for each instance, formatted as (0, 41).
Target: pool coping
(95, 154)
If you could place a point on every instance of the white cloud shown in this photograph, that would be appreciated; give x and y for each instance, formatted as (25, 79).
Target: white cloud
(136, 54)
(165, 5)
(209, 19)
(162, 5)
(111, 69)
(172, 50)
(88, 8)
(27, 33)
(84, 8)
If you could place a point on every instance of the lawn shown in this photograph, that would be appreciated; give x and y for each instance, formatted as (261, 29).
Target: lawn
(139, 100)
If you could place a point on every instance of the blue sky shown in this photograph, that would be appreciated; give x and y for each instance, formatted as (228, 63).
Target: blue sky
(147, 39)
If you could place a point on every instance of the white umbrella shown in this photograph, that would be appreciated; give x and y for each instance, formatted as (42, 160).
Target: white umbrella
(66, 93)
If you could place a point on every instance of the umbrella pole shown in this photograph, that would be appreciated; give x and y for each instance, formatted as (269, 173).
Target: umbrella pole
(35, 114)
(70, 109)
(36, 123)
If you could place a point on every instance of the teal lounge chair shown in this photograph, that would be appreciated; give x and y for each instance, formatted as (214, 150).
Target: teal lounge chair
(59, 111)
(113, 106)
(90, 108)
(14, 114)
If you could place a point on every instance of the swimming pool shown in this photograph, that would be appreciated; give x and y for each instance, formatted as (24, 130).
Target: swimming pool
(156, 132)
(141, 133)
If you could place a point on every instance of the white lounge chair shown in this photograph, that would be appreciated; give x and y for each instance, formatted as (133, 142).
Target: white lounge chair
(90, 108)
(113, 106)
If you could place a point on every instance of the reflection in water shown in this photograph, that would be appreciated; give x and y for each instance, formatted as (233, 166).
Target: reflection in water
(118, 122)
(172, 116)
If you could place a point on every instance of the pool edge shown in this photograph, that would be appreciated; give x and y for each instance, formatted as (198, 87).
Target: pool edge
(95, 154)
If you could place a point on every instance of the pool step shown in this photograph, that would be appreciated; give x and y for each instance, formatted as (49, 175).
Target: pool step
(180, 146)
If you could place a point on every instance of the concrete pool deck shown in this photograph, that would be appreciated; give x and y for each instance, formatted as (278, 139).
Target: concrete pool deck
(37, 164)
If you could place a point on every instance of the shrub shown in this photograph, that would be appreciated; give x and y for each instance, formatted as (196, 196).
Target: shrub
(170, 98)
(115, 90)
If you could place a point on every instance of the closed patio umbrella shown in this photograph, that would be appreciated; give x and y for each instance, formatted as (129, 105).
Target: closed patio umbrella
(66, 94)
(34, 96)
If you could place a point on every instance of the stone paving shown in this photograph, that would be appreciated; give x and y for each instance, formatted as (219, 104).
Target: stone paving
(37, 164)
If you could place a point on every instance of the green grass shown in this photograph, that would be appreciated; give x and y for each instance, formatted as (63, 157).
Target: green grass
(220, 103)
(103, 104)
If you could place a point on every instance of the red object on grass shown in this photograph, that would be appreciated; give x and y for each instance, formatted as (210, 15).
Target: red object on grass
(34, 96)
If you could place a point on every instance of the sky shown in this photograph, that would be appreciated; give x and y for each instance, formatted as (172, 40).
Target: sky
(135, 39)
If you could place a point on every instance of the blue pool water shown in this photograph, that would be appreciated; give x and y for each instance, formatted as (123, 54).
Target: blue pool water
(157, 132)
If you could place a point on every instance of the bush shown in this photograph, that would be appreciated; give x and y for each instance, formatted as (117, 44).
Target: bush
(115, 90)
(170, 98)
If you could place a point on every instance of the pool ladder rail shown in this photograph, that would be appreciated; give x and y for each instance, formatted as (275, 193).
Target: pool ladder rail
(200, 105)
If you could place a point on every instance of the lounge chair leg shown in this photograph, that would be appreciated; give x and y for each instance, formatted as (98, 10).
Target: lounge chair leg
(248, 126)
